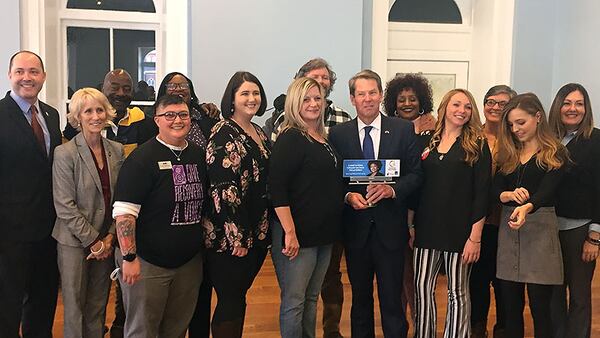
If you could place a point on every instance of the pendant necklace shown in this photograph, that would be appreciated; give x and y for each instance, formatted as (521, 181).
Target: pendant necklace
(178, 156)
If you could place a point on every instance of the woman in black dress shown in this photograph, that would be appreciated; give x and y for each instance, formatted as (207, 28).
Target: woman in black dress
(236, 231)
(578, 210)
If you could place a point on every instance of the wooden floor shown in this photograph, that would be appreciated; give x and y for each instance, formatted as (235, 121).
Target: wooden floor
(263, 308)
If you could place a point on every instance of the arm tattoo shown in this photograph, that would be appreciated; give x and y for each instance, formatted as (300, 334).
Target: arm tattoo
(126, 234)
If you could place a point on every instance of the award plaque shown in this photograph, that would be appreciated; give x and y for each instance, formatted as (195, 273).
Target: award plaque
(372, 171)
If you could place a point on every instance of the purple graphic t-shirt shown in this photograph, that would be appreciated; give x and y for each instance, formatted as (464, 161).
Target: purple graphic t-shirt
(189, 193)
(171, 191)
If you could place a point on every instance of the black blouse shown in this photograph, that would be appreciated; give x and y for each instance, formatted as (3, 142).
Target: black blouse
(579, 192)
(453, 197)
(307, 177)
(540, 183)
(237, 176)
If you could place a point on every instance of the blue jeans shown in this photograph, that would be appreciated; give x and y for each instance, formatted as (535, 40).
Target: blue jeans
(300, 281)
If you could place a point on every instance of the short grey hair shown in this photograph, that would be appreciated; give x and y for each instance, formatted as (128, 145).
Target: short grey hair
(500, 89)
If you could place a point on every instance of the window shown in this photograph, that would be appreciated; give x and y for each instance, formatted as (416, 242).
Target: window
(92, 52)
(425, 11)
(114, 5)
(59, 30)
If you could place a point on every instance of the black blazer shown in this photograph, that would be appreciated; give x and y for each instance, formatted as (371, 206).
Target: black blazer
(26, 207)
(397, 141)
(579, 192)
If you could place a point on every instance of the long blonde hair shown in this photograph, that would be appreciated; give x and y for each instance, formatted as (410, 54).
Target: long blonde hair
(293, 105)
(471, 133)
(552, 154)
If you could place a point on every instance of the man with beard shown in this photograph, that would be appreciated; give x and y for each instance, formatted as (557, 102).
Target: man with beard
(332, 292)
(129, 127)
(321, 71)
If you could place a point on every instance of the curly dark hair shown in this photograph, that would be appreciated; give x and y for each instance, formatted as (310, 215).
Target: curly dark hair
(416, 82)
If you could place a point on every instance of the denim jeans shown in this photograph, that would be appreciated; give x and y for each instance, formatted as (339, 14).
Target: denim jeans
(300, 281)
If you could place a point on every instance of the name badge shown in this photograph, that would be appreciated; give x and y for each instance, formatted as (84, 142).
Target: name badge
(165, 165)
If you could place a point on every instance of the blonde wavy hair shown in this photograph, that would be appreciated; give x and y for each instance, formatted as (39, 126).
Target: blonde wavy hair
(293, 105)
(552, 154)
(79, 100)
(471, 135)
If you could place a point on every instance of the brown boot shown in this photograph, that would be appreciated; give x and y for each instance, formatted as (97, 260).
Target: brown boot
(332, 314)
(478, 330)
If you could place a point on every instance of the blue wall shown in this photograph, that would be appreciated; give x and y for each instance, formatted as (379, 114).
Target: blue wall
(556, 42)
(272, 39)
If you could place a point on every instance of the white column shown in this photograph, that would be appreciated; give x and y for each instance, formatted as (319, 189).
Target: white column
(175, 38)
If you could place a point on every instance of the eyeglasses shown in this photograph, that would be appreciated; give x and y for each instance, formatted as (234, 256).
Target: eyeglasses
(174, 86)
(172, 115)
(491, 102)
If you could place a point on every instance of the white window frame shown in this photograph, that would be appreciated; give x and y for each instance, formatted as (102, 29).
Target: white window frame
(171, 14)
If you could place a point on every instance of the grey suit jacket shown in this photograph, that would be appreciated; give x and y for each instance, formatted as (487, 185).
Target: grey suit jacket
(77, 190)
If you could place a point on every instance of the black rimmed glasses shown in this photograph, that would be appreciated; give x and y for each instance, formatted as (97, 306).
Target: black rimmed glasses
(172, 115)
(175, 86)
(491, 103)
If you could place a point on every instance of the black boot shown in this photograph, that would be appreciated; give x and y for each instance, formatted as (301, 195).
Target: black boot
(227, 329)
(478, 330)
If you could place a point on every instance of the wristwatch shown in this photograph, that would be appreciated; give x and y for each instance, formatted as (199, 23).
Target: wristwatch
(129, 257)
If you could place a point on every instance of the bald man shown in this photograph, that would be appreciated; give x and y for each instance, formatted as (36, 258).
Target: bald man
(130, 126)
(29, 132)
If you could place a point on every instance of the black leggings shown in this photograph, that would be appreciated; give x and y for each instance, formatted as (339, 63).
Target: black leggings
(231, 277)
(483, 274)
(200, 322)
(513, 294)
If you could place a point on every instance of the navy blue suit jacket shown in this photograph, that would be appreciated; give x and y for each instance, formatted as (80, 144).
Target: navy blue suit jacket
(26, 207)
(397, 141)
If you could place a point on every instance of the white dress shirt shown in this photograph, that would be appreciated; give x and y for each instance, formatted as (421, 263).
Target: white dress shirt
(375, 133)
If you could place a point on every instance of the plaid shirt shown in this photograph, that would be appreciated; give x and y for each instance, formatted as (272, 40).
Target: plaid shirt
(333, 115)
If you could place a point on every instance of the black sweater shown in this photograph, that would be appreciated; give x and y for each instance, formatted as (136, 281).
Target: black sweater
(540, 183)
(305, 176)
(454, 196)
(579, 192)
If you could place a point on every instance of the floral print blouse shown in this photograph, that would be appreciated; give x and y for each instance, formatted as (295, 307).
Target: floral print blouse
(237, 173)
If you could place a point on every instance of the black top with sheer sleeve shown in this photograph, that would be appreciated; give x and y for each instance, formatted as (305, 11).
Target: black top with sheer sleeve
(539, 182)
(453, 197)
(237, 176)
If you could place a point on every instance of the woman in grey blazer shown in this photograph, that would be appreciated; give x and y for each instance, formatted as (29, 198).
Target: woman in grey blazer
(84, 174)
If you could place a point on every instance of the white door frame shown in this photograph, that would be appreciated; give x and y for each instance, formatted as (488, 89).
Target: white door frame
(170, 23)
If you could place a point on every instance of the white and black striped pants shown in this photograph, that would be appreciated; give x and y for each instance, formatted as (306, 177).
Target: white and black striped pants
(427, 264)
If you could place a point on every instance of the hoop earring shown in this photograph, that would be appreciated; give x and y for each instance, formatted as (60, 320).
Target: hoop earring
(422, 111)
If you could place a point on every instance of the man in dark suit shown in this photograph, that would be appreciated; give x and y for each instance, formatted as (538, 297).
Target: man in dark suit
(29, 132)
(375, 229)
